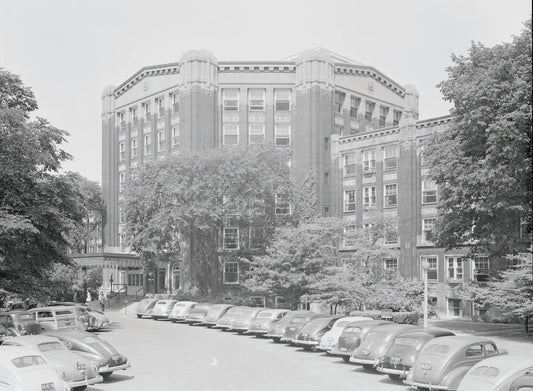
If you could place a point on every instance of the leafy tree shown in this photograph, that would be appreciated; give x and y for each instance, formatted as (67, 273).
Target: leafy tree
(482, 164)
(64, 281)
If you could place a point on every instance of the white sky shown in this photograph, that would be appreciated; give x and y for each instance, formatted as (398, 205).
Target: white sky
(68, 51)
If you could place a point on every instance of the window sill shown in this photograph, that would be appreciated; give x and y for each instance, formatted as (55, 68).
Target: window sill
(430, 203)
(369, 172)
(351, 175)
(390, 207)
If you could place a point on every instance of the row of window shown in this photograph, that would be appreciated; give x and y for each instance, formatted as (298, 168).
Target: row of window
(256, 99)
(146, 107)
(370, 107)
(256, 134)
(390, 160)
(147, 145)
(390, 234)
(454, 268)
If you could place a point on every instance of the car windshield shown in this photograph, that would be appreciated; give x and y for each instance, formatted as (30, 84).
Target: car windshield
(485, 371)
(162, 303)
(5, 319)
(28, 361)
(179, 305)
(265, 315)
(48, 346)
(234, 310)
(26, 317)
(376, 336)
(352, 329)
(318, 321)
(145, 301)
(66, 312)
(342, 323)
(298, 320)
(437, 349)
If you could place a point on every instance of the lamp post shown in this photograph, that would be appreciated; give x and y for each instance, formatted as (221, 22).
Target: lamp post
(111, 282)
(425, 267)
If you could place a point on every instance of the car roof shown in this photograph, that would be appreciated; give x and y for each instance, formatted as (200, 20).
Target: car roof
(274, 311)
(185, 302)
(54, 308)
(457, 342)
(9, 352)
(427, 332)
(351, 319)
(506, 365)
(32, 340)
(69, 333)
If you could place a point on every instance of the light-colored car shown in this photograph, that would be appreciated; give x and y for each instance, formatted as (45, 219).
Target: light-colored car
(331, 338)
(351, 337)
(144, 307)
(277, 329)
(264, 320)
(296, 324)
(498, 374)
(100, 319)
(74, 369)
(242, 322)
(26, 369)
(64, 317)
(225, 321)
(309, 336)
(198, 313)
(21, 322)
(162, 309)
(180, 311)
(214, 313)
(442, 363)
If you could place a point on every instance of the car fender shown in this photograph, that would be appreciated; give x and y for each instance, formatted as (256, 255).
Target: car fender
(454, 377)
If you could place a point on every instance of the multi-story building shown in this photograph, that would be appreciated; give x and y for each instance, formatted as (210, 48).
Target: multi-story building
(200, 103)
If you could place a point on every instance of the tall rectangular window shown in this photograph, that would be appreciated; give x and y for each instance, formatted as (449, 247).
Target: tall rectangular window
(349, 164)
(256, 134)
(383, 112)
(339, 100)
(433, 270)
(231, 273)
(121, 152)
(175, 103)
(354, 106)
(282, 99)
(349, 238)
(429, 191)
(134, 148)
(455, 268)
(369, 111)
(396, 117)
(147, 144)
(230, 99)
(391, 265)
(390, 158)
(391, 195)
(282, 134)
(256, 99)
(120, 117)
(481, 268)
(160, 102)
(175, 136)
(427, 229)
(369, 160)
(369, 196)
(349, 200)
(283, 205)
(121, 182)
(391, 233)
(146, 111)
(160, 141)
(231, 238)
(230, 134)
(133, 114)
(257, 237)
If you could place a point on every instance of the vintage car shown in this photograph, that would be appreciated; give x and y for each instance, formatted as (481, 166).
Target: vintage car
(5, 333)
(180, 311)
(523, 383)
(198, 313)
(162, 309)
(277, 329)
(443, 362)
(377, 342)
(214, 313)
(296, 324)
(242, 322)
(144, 307)
(21, 322)
(27, 369)
(100, 319)
(499, 374)
(351, 337)
(224, 323)
(264, 320)
(402, 354)
(93, 348)
(309, 336)
(63, 317)
(331, 338)
(75, 370)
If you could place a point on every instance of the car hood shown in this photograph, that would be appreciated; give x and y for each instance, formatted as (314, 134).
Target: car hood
(104, 349)
(68, 362)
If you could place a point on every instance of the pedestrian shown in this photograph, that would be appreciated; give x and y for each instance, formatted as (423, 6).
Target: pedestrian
(102, 301)
(89, 298)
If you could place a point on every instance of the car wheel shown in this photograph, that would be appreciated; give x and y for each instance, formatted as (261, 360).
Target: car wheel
(80, 388)
(139, 316)
(422, 388)
(368, 366)
(394, 376)
(105, 375)
(346, 358)
(276, 339)
(307, 348)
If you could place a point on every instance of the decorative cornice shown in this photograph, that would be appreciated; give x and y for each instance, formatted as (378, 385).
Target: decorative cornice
(364, 70)
(367, 135)
(152, 70)
(437, 121)
(256, 66)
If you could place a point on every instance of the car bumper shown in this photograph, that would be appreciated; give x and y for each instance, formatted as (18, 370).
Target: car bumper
(177, 318)
(257, 332)
(221, 326)
(86, 382)
(363, 361)
(107, 368)
(239, 328)
(391, 371)
(425, 385)
(304, 343)
(268, 335)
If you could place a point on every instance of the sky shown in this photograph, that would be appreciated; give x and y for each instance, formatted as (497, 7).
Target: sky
(68, 51)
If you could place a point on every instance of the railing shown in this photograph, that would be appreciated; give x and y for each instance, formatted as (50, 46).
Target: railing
(137, 293)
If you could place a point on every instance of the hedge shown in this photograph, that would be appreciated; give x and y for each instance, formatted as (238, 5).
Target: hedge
(404, 317)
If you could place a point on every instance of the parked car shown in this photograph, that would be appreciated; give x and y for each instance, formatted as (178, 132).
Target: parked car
(377, 342)
(144, 307)
(225, 321)
(277, 329)
(162, 309)
(94, 348)
(5, 334)
(214, 313)
(21, 322)
(242, 322)
(26, 369)
(331, 337)
(295, 325)
(404, 350)
(351, 337)
(499, 374)
(442, 363)
(60, 317)
(75, 370)
(264, 320)
(523, 383)
(198, 313)
(100, 319)
(309, 336)
(180, 311)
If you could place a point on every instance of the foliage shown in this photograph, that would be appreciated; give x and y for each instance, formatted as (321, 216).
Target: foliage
(64, 281)
(482, 164)
(402, 317)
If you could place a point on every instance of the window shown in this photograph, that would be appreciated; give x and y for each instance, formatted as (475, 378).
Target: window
(282, 99)
(231, 99)
(369, 232)
(383, 112)
(148, 144)
(256, 100)
(122, 152)
(121, 182)
(231, 238)
(354, 106)
(133, 114)
(429, 191)
(391, 233)
(326, 178)
(175, 136)
(231, 273)
(257, 237)
(230, 134)
(481, 268)
(391, 195)
(490, 350)
(349, 200)
(349, 238)
(391, 265)
(390, 158)
(135, 279)
(455, 268)
(283, 206)
(256, 134)
(282, 134)
(175, 103)
(396, 117)
(369, 111)
(134, 148)
(160, 141)
(120, 118)
(146, 111)
(427, 229)
(369, 160)
(160, 102)
(349, 164)
(369, 196)
(339, 100)
(474, 350)
(433, 269)
(121, 215)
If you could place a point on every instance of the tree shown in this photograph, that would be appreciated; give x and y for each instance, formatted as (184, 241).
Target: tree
(482, 164)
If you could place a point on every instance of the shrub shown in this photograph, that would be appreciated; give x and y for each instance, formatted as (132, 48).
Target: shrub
(404, 317)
